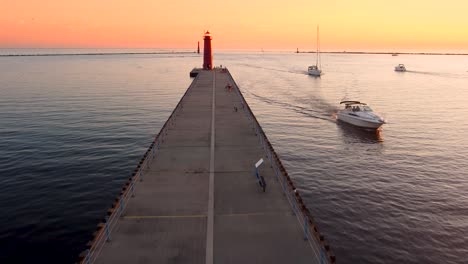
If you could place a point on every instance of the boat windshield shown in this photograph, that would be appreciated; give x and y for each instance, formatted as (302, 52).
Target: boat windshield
(366, 108)
(312, 67)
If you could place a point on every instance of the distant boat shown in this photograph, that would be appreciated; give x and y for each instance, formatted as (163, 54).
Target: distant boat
(315, 70)
(360, 115)
(400, 68)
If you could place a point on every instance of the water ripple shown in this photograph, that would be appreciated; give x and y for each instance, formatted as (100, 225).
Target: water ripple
(73, 128)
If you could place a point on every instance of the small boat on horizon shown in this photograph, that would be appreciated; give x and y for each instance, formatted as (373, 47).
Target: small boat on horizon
(360, 115)
(400, 68)
(315, 70)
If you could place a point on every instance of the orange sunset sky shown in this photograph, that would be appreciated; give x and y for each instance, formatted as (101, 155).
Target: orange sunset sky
(242, 24)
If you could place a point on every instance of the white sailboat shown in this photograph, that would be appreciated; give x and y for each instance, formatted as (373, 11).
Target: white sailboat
(315, 70)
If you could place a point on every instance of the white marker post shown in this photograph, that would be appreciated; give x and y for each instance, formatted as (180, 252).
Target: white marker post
(260, 162)
(260, 180)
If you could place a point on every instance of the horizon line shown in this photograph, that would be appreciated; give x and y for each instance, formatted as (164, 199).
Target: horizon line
(188, 51)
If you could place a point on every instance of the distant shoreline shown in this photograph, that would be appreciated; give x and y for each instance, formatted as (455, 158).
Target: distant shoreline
(97, 54)
(384, 53)
(194, 52)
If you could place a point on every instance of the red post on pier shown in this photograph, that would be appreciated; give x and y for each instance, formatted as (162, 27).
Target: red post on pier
(207, 52)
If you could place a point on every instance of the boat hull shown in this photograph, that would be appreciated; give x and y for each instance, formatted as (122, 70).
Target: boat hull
(359, 122)
(316, 73)
(400, 68)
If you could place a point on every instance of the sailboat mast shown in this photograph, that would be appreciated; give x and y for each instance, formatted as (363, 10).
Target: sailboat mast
(318, 49)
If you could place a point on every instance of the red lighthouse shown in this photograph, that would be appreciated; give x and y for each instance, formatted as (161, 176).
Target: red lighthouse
(207, 52)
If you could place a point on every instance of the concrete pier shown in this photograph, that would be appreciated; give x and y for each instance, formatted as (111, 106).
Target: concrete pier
(194, 197)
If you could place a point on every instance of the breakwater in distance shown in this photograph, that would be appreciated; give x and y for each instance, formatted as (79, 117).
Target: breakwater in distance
(386, 53)
(98, 54)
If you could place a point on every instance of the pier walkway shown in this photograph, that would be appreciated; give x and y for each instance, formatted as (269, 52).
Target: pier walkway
(194, 197)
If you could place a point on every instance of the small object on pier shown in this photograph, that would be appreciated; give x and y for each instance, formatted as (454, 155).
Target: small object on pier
(261, 181)
(194, 72)
(228, 87)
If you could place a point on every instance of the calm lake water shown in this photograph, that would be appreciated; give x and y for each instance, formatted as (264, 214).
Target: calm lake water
(72, 129)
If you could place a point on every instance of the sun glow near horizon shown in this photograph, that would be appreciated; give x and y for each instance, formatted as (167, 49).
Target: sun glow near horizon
(356, 25)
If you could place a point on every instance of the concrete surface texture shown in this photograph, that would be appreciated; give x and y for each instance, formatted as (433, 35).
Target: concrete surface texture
(200, 201)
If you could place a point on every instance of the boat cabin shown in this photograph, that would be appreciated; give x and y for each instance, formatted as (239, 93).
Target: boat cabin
(356, 106)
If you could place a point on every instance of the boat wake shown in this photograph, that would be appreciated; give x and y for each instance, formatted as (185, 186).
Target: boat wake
(423, 72)
(439, 74)
(325, 111)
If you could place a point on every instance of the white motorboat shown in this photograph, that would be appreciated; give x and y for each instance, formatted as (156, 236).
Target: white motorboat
(400, 68)
(360, 115)
(315, 70)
